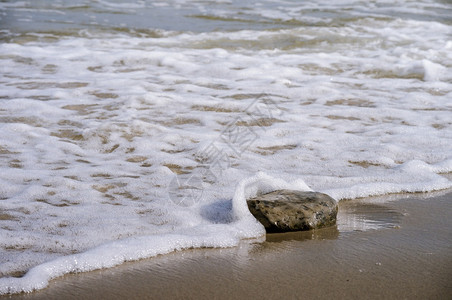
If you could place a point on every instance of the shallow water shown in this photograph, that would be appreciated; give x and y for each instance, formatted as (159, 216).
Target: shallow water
(126, 121)
(390, 262)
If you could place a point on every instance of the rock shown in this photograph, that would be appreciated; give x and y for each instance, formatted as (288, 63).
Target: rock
(288, 210)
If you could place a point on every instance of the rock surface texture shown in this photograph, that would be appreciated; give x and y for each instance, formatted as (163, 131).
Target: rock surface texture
(289, 210)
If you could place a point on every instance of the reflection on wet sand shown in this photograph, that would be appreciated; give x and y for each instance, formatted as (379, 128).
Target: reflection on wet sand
(362, 216)
(353, 215)
(328, 233)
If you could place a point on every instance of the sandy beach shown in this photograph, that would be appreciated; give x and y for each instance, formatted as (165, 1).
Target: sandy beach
(392, 247)
(133, 129)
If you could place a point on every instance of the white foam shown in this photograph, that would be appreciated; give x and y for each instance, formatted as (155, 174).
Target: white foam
(433, 71)
(261, 183)
(244, 226)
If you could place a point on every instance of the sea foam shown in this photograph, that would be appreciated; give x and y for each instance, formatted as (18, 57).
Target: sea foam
(243, 226)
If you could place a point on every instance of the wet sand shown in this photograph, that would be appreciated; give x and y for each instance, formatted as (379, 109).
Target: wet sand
(392, 247)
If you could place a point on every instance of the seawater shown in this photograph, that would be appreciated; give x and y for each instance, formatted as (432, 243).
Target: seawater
(132, 130)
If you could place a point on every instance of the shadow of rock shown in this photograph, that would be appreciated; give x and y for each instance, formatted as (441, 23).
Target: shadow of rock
(219, 212)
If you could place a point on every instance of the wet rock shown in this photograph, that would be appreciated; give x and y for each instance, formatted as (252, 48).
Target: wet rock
(289, 210)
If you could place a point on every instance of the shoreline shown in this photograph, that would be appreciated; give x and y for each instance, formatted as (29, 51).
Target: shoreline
(395, 246)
